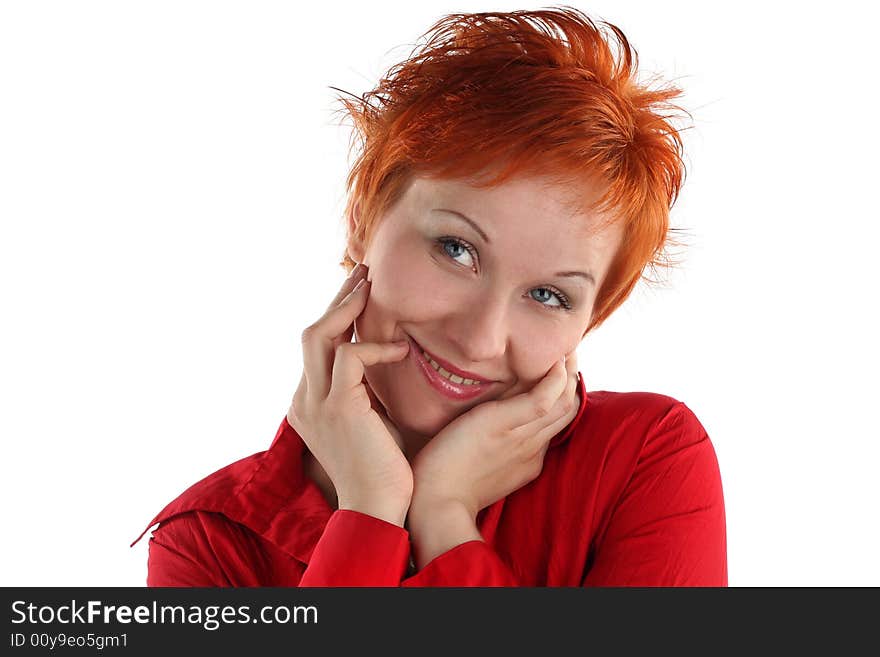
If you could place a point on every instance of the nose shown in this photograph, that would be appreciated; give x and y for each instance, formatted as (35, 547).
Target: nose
(481, 333)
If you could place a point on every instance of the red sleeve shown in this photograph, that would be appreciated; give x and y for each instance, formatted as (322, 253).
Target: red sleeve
(668, 528)
(472, 563)
(357, 549)
(199, 548)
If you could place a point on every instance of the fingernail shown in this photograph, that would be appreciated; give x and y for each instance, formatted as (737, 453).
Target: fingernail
(354, 272)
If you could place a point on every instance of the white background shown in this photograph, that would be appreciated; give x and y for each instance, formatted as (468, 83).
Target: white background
(171, 196)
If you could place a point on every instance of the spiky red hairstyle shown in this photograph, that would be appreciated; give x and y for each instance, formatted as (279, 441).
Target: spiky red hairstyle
(526, 92)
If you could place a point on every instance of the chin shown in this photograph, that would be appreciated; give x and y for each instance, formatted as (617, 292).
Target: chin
(407, 410)
(423, 424)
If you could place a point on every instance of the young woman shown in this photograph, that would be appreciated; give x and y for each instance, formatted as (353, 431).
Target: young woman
(513, 184)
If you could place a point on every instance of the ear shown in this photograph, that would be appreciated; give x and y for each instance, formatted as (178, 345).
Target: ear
(355, 246)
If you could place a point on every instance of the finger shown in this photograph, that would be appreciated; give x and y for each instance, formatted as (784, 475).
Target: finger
(569, 394)
(351, 359)
(571, 365)
(571, 381)
(538, 402)
(345, 336)
(353, 278)
(540, 431)
(319, 341)
(573, 376)
(543, 427)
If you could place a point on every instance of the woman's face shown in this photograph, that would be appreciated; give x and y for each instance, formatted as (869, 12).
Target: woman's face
(489, 299)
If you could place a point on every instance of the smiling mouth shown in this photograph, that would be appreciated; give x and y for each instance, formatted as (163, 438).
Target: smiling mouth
(449, 375)
(454, 378)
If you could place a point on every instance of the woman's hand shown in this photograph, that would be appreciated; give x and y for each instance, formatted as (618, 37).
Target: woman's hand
(495, 448)
(334, 415)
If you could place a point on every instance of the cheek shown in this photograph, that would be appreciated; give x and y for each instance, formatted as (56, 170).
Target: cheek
(411, 290)
(537, 346)
(531, 367)
(394, 297)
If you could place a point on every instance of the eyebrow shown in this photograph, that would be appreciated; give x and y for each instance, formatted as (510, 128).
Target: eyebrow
(473, 224)
(468, 220)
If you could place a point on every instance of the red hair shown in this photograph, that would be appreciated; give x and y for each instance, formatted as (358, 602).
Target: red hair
(502, 92)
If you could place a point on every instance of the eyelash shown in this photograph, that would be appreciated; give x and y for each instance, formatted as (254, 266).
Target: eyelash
(443, 241)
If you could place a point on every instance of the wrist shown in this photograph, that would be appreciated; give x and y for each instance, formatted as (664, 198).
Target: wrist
(436, 526)
(426, 506)
(393, 512)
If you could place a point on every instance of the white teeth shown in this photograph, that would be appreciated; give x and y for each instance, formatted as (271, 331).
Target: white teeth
(448, 375)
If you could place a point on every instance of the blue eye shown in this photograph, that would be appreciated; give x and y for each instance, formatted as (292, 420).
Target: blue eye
(563, 300)
(454, 242)
(454, 248)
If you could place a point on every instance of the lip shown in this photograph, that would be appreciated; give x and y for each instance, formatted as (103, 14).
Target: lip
(442, 385)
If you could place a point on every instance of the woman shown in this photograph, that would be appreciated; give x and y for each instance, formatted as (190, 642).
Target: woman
(514, 182)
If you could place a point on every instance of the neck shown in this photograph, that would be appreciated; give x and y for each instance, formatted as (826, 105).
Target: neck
(411, 443)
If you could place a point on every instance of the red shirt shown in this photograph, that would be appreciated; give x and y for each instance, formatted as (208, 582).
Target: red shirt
(629, 495)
